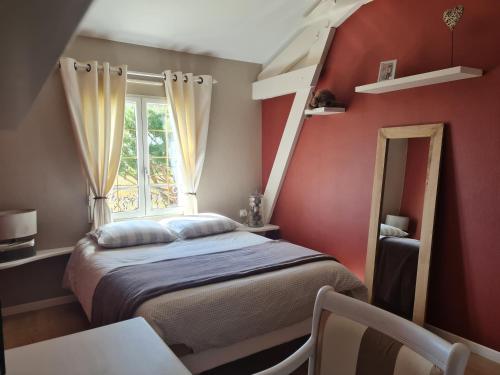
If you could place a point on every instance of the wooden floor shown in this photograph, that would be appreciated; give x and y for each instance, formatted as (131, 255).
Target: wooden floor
(31, 327)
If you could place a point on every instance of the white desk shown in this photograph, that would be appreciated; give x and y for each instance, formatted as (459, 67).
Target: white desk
(125, 348)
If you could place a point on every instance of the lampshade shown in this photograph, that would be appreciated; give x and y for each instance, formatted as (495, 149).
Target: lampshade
(400, 222)
(16, 224)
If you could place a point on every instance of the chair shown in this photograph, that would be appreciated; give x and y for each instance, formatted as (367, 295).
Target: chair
(352, 337)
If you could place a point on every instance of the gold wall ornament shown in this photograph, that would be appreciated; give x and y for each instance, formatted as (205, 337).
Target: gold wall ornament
(452, 16)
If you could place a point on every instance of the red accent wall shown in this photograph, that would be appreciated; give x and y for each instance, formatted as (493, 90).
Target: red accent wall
(412, 202)
(325, 199)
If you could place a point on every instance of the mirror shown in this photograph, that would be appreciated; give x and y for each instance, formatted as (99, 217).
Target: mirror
(402, 218)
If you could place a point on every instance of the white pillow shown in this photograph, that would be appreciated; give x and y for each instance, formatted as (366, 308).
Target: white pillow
(132, 233)
(193, 226)
(390, 231)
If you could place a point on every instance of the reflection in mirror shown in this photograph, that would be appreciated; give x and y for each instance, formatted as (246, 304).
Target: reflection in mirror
(396, 260)
(402, 218)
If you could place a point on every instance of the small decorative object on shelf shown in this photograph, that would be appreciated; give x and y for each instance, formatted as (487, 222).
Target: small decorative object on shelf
(322, 99)
(244, 216)
(255, 214)
(451, 17)
(387, 70)
(17, 234)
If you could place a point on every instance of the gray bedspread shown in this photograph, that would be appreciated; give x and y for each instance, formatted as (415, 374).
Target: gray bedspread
(121, 291)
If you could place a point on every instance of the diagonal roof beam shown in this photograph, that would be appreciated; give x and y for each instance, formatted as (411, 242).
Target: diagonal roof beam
(296, 69)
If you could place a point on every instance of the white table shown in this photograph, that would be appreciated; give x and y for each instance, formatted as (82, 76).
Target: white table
(125, 348)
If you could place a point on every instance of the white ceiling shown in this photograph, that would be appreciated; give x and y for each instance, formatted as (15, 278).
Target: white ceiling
(246, 30)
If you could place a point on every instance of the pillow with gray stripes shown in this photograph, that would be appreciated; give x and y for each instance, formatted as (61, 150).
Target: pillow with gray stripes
(132, 233)
(192, 226)
(390, 231)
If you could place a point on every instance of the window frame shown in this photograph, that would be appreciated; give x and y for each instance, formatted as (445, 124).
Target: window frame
(145, 209)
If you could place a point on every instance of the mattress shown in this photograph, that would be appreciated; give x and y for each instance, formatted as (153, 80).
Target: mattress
(220, 314)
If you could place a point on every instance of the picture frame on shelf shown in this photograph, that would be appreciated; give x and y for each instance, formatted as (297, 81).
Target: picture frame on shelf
(387, 70)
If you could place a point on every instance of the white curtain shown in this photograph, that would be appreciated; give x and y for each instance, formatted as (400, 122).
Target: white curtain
(189, 98)
(96, 100)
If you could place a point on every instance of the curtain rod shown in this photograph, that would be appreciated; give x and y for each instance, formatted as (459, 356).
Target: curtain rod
(138, 74)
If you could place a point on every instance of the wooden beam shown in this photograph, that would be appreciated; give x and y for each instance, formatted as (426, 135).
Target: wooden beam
(296, 50)
(284, 84)
(293, 124)
(285, 151)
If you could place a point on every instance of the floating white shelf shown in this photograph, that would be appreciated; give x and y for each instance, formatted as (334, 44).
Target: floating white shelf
(324, 111)
(431, 78)
(40, 254)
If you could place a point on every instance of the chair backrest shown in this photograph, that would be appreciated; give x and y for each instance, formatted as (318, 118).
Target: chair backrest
(353, 337)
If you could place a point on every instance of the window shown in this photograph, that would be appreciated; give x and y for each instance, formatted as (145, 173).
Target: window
(147, 181)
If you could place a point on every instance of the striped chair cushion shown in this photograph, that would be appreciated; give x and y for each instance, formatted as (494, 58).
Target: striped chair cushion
(132, 233)
(199, 225)
(346, 347)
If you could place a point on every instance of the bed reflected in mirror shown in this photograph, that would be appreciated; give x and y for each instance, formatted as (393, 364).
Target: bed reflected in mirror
(402, 218)
(396, 260)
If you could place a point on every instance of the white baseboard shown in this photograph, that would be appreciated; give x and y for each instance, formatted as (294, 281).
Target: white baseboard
(37, 305)
(474, 347)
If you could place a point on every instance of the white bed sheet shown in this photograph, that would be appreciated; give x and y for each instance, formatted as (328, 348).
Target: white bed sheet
(220, 314)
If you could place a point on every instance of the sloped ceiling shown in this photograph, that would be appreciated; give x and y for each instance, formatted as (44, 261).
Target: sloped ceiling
(33, 34)
(246, 30)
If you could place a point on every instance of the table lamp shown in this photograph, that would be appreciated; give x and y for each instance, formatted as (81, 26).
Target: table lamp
(17, 234)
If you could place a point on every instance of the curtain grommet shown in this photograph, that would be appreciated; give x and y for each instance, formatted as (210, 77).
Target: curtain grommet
(120, 71)
(74, 65)
(200, 80)
(185, 78)
(89, 68)
(174, 78)
(164, 76)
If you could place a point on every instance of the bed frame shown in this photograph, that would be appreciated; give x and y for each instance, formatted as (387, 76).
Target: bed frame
(211, 358)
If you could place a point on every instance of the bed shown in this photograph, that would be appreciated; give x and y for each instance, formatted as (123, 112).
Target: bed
(395, 275)
(212, 324)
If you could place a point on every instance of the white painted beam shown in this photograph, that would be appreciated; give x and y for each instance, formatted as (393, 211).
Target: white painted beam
(296, 50)
(292, 129)
(284, 84)
(285, 150)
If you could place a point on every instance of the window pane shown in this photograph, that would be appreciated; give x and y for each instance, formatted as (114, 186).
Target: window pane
(129, 147)
(161, 171)
(163, 196)
(157, 143)
(163, 153)
(125, 199)
(130, 115)
(125, 193)
(157, 116)
(127, 174)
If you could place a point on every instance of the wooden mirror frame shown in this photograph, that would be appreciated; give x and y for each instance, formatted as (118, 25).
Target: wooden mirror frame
(435, 133)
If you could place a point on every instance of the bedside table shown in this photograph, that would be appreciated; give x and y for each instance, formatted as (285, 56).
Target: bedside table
(268, 230)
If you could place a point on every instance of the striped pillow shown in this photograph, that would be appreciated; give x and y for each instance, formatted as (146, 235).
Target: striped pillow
(390, 231)
(199, 225)
(132, 233)
(348, 347)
